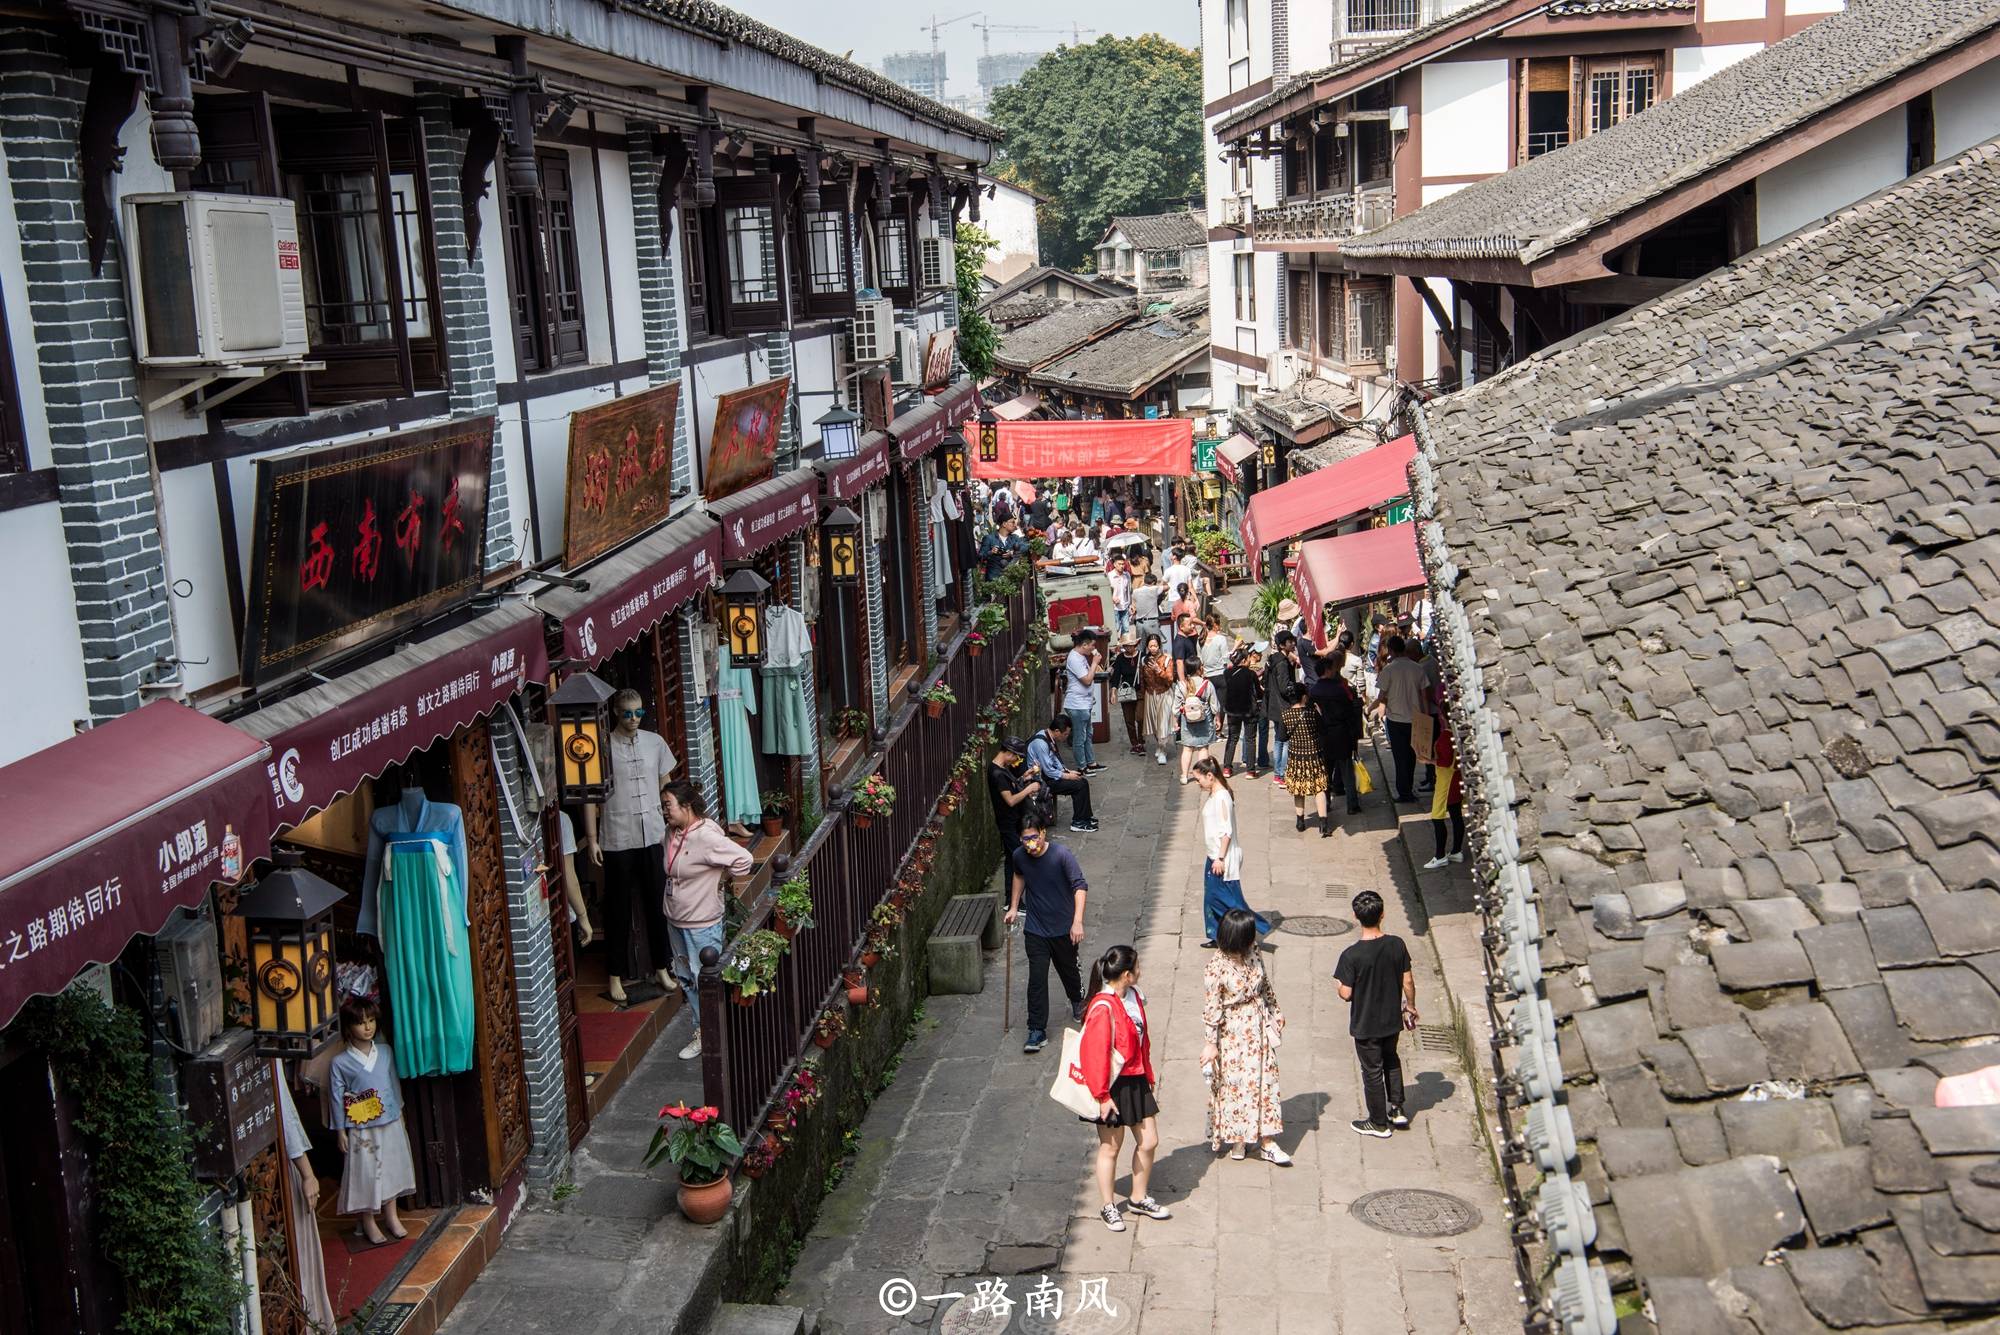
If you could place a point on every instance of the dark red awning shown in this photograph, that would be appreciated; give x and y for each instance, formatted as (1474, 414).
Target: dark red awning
(630, 592)
(919, 431)
(1330, 496)
(758, 516)
(332, 738)
(106, 834)
(1355, 568)
(844, 479)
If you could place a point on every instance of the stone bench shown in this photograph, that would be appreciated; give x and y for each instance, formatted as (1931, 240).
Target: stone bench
(970, 926)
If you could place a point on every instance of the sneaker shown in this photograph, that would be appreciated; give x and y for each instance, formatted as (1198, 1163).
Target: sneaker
(1458, 857)
(1095, 767)
(1362, 1126)
(1112, 1219)
(1272, 1154)
(1399, 1119)
(1208, 944)
(1159, 757)
(1037, 1040)
(1150, 1208)
(1228, 773)
(1278, 779)
(1076, 1011)
(1437, 862)
(1082, 826)
(692, 1050)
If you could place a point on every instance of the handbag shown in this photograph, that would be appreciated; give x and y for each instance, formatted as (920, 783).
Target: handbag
(1068, 1088)
(1363, 785)
(1423, 737)
(1127, 693)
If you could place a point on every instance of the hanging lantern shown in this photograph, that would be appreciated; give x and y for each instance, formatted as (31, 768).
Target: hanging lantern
(1270, 456)
(743, 615)
(989, 435)
(583, 720)
(951, 456)
(839, 433)
(289, 914)
(843, 545)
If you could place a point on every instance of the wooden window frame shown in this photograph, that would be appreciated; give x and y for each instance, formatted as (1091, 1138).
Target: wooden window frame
(1299, 314)
(1296, 154)
(697, 310)
(1330, 326)
(13, 428)
(745, 316)
(545, 269)
(1244, 294)
(1585, 69)
(1378, 294)
(806, 275)
(902, 209)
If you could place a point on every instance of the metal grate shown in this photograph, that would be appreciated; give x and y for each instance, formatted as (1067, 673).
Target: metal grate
(1436, 1038)
(1314, 924)
(1416, 1213)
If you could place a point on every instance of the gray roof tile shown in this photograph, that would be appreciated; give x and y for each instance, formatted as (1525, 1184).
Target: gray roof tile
(1837, 1191)
(1178, 230)
(1704, 1220)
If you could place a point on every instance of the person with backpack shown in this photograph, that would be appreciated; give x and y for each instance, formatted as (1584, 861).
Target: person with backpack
(1241, 710)
(1156, 689)
(1375, 979)
(1116, 1056)
(1059, 780)
(1195, 709)
(1046, 875)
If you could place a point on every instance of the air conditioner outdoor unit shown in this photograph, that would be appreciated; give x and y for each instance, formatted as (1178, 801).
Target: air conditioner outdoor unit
(909, 358)
(191, 976)
(874, 329)
(935, 266)
(214, 280)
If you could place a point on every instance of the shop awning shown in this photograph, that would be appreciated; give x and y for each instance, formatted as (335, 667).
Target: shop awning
(1161, 447)
(1231, 455)
(758, 516)
(1333, 573)
(918, 431)
(1328, 497)
(1018, 408)
(844, 479)
(104, 835)
(629, 593)
(331, 739)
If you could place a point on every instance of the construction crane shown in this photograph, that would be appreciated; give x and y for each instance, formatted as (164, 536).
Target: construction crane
(936, 27)
(986, 31)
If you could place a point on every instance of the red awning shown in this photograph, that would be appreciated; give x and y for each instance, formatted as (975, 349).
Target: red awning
(104, 835)
(1331, 496)
(629, 593)
(1017, 408)
(1231, 453)
(1163, 447)
(758, 516)
(331, 739)
(844, 479)
(1355, 568)
(919, 431)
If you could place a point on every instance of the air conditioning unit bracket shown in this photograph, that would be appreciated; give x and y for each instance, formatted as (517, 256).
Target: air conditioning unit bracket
(200, 378)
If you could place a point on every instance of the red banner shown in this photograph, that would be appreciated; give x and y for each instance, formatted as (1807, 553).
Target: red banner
(1161, 448)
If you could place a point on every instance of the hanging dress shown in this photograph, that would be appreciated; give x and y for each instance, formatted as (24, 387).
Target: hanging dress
(786, 729)
(944, 512)
(735, 701)
(418, 910)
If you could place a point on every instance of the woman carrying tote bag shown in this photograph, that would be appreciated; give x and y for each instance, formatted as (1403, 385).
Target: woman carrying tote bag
(1112, 1060)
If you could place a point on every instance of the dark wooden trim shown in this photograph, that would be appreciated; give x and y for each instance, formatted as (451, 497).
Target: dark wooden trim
(262, 436)
(603, 237)
(1248, 361)
(293, 89)
(1226, 232)
(1486, 307)
(590, 137)
(544, 383)
(18, 491)
(1447, 327)
(232, 558)
(715, 350)
(1242, 97)
(534, 497)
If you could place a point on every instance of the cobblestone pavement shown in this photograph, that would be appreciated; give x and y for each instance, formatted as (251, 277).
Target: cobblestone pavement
(966, 1170)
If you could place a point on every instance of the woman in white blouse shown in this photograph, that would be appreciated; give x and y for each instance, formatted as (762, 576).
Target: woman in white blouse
(1222, 854)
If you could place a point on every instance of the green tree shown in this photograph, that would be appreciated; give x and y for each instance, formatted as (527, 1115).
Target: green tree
(1111, 127)
(976, 339)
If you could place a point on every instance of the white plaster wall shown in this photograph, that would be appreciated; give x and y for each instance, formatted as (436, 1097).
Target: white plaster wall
(1966, 110)
(624, 250)
(41, 674)
(548, 441)
(1464, 118)
(21, 329)
(203, 628)
(1692, 64)
(493, 266)
(1832, 176)
(1311, 23)
(1722, 11)
(1814, 6)
(813, 371)
(1009, 218)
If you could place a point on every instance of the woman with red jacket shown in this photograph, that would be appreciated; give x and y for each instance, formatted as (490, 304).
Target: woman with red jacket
(1447, 798)
(1115, 1021)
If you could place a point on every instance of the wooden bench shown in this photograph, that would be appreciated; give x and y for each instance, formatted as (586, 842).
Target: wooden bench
(970, 926)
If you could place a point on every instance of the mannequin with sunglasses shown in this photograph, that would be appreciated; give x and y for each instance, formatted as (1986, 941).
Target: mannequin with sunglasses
(626, 837)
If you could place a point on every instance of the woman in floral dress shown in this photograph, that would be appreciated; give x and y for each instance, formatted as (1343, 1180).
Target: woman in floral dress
(1305, 771)
(1240, 1016)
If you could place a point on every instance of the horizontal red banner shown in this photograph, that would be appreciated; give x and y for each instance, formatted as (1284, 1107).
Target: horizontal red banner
(1161, 448)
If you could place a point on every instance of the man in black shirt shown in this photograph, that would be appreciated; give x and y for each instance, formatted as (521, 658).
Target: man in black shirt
(1374, 975)
(1012, 792)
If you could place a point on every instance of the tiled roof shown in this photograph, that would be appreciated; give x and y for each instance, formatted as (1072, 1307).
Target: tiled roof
(1018, 310)
(1309, 402)
(1565, 9)
(1341, 445)
(723, 22)
(1029, 346)
(1179, 230)
(1039, 273)
(1550, 201)
(1731, 578)
(1138, 356)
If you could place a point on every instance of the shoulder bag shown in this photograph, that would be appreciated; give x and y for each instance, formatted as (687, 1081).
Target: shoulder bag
(1069, 1089)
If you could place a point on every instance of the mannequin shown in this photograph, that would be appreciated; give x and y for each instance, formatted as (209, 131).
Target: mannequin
(735, 702)
(366, 1108)
(579, 912)
(786, 644)
(626, 837)
(413, 898)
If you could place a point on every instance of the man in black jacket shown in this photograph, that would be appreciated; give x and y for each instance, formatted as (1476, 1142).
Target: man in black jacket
(1280, 672)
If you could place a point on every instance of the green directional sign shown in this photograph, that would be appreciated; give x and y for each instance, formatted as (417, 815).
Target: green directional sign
(1204, 456)
(1401, 512)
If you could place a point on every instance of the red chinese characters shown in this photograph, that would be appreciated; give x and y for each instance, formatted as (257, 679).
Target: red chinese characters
(367, 544)
(630, 470)
(317, 568)
(410, 527)
(597, 479)
(658, 458)
(450, 526)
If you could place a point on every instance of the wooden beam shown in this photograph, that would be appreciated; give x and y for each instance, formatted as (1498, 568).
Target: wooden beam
(1623, 290)
(1444, 322)
(1543, 311)
(1485, 305)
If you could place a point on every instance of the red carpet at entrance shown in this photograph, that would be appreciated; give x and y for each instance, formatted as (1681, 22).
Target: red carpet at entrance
(352, 1275)
(604, 1035)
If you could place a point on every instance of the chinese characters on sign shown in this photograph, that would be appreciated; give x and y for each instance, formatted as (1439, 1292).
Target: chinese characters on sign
(743, 446)
(621, 474)
(1045, 1298)
(1162, 448)
(355, 541)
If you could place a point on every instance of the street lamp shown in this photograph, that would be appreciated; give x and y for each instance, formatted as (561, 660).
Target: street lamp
(839, 433)
(843, 545)
(989, 435)
(743, 615)
(951, 453)
(289, 916)
(583, 720)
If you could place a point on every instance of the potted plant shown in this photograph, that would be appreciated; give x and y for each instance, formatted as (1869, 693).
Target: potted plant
(769, 1148)
(851, 722)
(875, 797)
(794, 906)
(803, 1096)
(832, 1023)
(975, 643)
(700, 1144)
(776, 803)
(876, 947)
(857, 986)
(937, 697)
(752, 966)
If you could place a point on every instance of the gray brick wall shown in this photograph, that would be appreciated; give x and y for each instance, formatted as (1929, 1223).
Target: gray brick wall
(534, 977)
(701, 758)
(795, 562)
(920, 479)
(778, 360)
(659, 290)
(878, 638)
(467, 324)
(1281, 38)
(96, 427)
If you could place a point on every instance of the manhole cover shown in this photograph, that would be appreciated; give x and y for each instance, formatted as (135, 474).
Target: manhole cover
(1415, 1213)
(1315, 924)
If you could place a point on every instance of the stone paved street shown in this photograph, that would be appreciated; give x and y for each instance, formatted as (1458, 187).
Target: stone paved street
(966, 1169)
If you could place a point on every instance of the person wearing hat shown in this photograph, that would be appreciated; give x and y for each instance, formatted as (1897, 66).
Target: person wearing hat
(1288, 617)
(1014, 792)
(1125, 686)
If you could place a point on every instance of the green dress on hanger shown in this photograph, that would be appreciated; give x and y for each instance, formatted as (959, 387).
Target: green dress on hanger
(414, 902)
(735, 702)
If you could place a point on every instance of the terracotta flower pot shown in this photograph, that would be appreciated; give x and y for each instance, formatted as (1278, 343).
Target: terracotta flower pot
(871, 958)
(975, 649)
(862, 820)
(857, 994)
(823, 1041)
(782, 927)
(741, 999)
(774, 825)
(935, 708)
(705, 1202)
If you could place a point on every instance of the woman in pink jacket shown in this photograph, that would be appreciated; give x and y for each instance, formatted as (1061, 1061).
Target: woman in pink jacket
(1114, 1020)
(698, 856)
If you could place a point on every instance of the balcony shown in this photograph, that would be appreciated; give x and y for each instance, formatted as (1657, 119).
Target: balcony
(1328, 218)
(1361, 24)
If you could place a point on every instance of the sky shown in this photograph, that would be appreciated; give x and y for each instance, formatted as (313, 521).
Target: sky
(874, 27)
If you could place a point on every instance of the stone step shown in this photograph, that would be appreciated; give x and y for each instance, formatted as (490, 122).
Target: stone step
(758, 1319)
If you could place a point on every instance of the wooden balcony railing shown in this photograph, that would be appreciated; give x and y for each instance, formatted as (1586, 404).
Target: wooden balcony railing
(1328, 218)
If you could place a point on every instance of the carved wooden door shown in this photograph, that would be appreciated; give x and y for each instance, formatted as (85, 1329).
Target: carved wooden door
(563, 942)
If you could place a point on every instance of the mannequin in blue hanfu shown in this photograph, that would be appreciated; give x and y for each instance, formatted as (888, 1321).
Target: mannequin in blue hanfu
(413, 899)
(735, 702)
